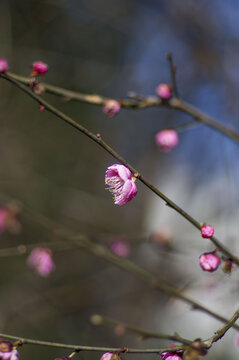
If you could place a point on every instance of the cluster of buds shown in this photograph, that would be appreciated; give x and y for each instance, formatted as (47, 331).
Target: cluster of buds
(38, 68)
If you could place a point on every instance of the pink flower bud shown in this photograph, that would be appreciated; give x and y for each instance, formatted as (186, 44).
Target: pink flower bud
(120, 248)
(166, 139)
(171, 355)
(164, 91)
(209, 261)
(121, 183)
(111, 107)
(106, 356)
(7, 352)
(39, 68)
(207, 231)
(40, 259)
(3, 66)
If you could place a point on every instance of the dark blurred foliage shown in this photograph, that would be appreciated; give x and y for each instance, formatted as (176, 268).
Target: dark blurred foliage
(113, 47)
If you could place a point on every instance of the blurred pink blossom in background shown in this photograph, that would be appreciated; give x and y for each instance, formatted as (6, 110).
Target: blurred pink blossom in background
(166, 139)
(40, 259)
(120, 248)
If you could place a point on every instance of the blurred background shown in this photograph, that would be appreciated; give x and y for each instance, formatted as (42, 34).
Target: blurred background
(48, 169)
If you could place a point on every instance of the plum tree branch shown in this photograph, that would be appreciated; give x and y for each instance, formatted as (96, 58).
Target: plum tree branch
(138, 102)
(98, 139)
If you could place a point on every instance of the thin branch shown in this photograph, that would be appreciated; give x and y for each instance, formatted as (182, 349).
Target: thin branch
(98, 139)
(222, 331)
(173, 74)
(145, 334)
(24, 341)
(138, 102)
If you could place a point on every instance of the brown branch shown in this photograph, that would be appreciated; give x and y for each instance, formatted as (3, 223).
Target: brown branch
(139, 102)
(222, 331)
(23, 341)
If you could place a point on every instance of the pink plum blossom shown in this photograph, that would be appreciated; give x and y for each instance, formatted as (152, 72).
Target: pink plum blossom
(40, 259)
(111, 107)
(166, 139)
(3, 66)
(120, 248)
(164, 91)
(207, 231)
(7, 351)
(121, 183)
(39, 68)
(209, 261)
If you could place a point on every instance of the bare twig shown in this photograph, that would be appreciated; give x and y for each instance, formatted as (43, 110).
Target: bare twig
(222, 331)
(145, 334)
(24, 341)
(173, 74)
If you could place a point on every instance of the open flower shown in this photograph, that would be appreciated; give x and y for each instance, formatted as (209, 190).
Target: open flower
(166, 139)
(209, 261)
(121, 183)
(7, 351)
(40, 259)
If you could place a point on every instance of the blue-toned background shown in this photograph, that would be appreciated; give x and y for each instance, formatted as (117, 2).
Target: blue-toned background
(112, 47)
